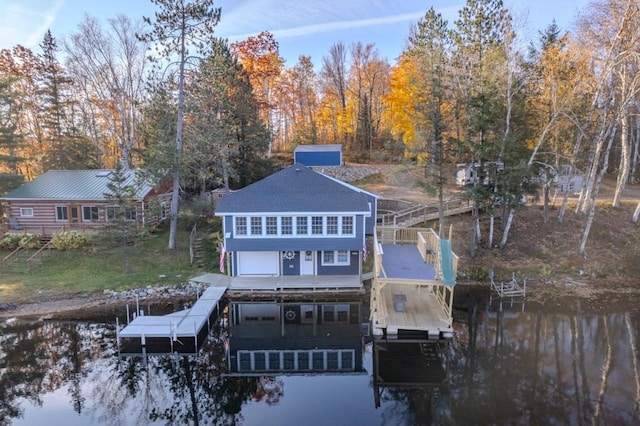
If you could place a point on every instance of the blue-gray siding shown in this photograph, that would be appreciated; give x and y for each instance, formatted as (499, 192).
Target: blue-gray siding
(318, 158)
(297, 243)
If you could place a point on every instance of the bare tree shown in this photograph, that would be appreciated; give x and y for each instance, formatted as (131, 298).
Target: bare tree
(110, 66)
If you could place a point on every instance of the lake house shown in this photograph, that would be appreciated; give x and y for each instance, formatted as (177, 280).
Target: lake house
(74, 200)
(296, 229)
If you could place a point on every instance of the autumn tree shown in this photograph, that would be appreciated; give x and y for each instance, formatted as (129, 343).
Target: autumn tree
(179, 26)
(108, 68)
(227, 139)
(261, 60)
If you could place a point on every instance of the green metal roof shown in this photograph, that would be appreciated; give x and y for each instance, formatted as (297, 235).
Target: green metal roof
(74, 185)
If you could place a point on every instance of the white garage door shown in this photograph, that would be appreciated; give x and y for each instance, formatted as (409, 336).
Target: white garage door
(258, 263)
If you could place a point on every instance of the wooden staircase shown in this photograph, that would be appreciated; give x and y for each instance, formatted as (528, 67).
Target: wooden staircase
(421, 213)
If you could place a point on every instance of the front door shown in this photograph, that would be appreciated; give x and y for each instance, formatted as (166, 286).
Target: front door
(74, 214)
(306, 262)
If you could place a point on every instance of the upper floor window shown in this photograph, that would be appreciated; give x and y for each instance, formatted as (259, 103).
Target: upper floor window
(347, 225)
(241, 226)
(272, 225)
(286, 225)
(26, 211)
(256, 225)
(301, 225)
(332, 225)
(316, 225)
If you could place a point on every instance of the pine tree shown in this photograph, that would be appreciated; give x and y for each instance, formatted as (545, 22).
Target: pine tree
(121, 215)
(10, 138)
(178, 25)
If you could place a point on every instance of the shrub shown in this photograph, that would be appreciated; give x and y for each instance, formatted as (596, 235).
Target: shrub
(11, 242)
(70, 240)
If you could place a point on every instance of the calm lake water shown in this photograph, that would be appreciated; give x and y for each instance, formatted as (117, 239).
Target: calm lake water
(314, 364)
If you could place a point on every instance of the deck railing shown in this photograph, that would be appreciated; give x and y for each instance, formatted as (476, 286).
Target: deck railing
(421, 213)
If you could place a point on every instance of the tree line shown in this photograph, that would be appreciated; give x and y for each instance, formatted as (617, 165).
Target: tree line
(167, 95)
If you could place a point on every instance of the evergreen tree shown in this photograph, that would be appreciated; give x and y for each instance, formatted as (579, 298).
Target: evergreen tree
(181, 24)
(121, 215)
(10, 138)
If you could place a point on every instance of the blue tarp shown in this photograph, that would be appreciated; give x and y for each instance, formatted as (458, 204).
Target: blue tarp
(446, 255)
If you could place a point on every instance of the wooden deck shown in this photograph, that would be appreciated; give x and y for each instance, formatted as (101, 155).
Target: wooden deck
(408, 293)
(299, 283)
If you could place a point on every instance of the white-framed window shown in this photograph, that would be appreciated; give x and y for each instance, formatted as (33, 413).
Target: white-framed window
(335, 313)
(301, 225)
(286, 225)
(335, 258)
(26, 211)
(90, 213)
(62, 214)
(347, 225)
(256, 225)
(241, 226)
(332, 225)
(116, 212)
(316, 225)
(272, 225)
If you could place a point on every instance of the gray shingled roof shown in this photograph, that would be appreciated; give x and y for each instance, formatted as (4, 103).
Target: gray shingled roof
(73, 185)
(318, 147)
(294, 189)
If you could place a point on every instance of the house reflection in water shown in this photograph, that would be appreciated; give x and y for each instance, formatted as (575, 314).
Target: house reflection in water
(409, 365)
(295, 338)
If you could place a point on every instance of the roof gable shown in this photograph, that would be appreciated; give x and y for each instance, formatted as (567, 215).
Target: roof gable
(74, 185)
(294, 189)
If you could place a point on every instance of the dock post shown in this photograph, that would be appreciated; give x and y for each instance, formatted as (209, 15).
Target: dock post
(118, 335)
(128, 314)
(138, 304)
(195, 336)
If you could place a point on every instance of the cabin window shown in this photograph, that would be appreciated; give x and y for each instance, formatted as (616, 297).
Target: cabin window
(332, 225)
(334, 258)
(272, 225)
(286, 225)
(256, 225)
(26, 211)
(62, 213)
(347, 225)
(119, 212)
(301, 225)
(90, 213)
(316, 225)
(241, 226)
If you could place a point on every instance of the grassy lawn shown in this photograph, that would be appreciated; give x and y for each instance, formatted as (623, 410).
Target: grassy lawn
(66, 273)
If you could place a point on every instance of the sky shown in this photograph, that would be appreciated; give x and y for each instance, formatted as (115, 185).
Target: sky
(300, 27)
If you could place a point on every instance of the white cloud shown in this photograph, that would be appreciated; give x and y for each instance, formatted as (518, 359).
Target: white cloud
(25, 22)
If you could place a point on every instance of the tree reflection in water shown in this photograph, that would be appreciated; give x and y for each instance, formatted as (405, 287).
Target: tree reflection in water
(568, 367)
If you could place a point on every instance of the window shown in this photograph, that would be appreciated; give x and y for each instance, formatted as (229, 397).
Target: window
(332, 225)
(316, 225)
(272, 225)
(90, 213)
(62, 213)
(256, 225)
(26, 211)
(301, 225)
(347, 225)
(241, 226)
(119, 212)
(130, 213)
(286, 225)
(338, 257)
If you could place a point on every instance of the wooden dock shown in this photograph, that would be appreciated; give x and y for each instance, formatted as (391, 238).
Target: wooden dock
(183, 331)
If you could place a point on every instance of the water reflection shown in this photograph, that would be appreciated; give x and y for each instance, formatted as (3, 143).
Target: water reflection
(317, 366)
